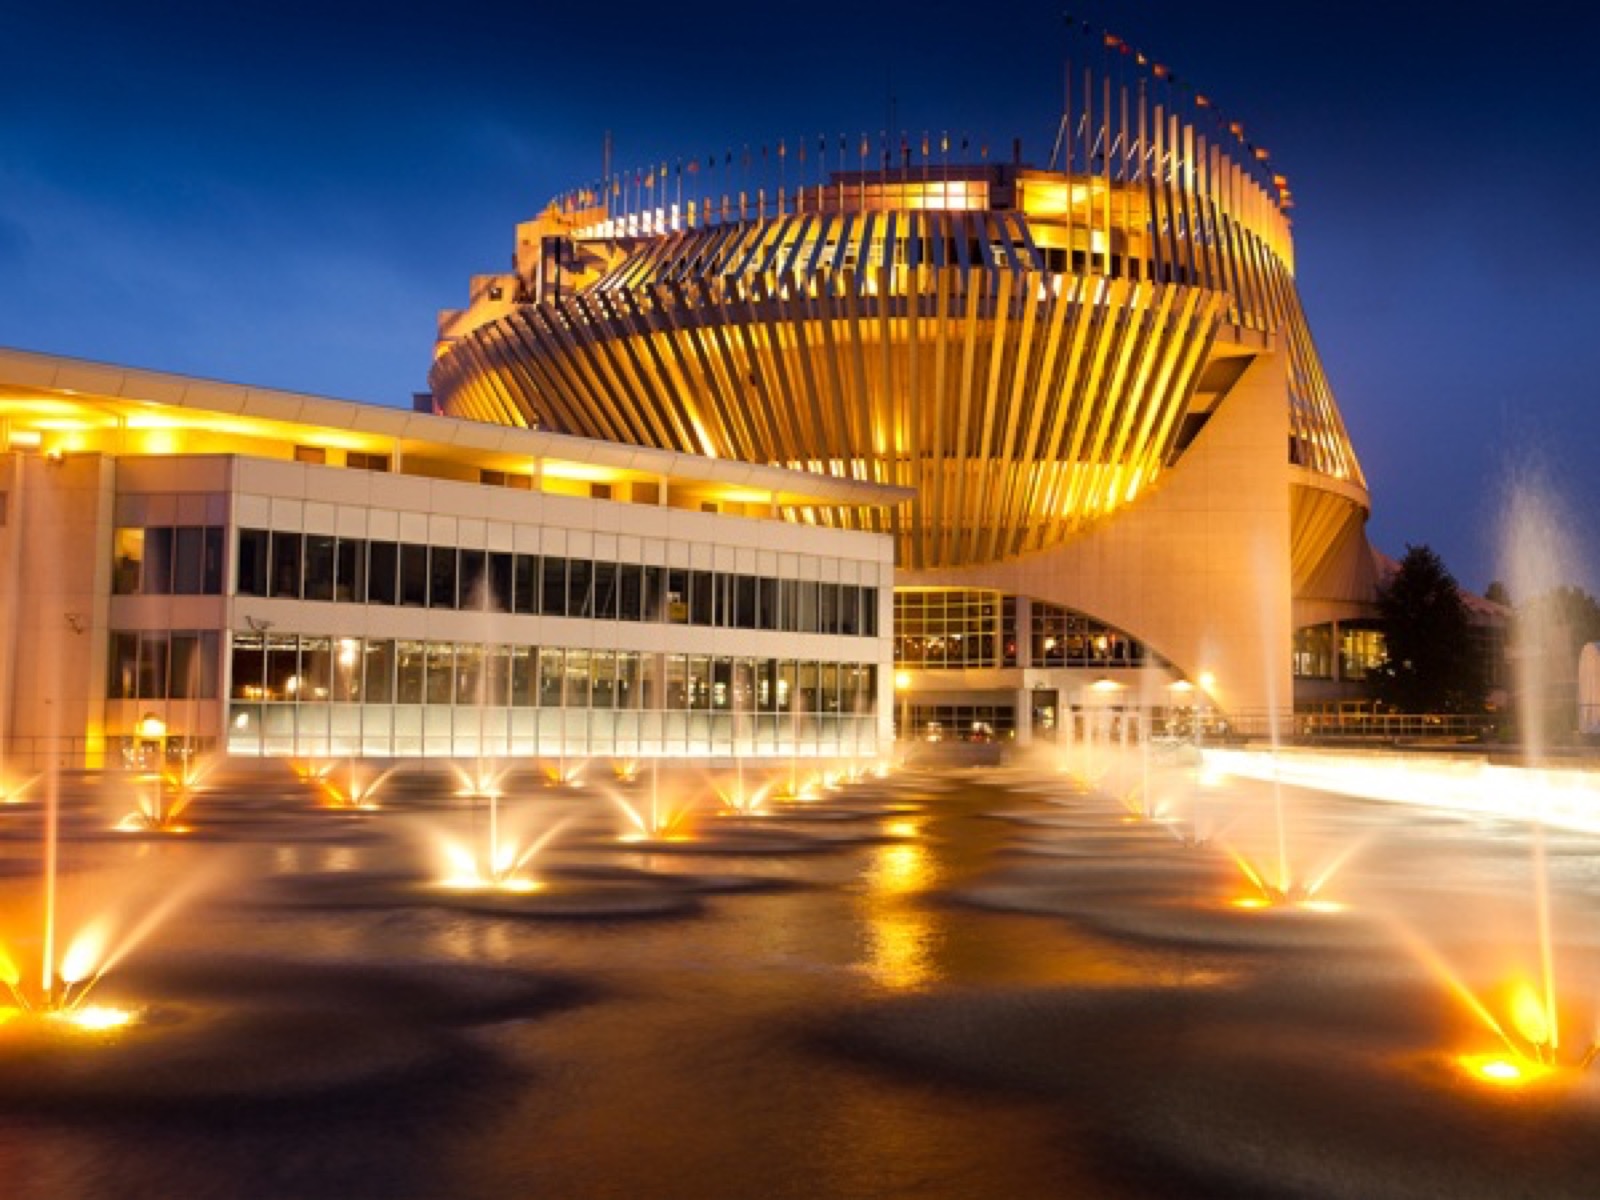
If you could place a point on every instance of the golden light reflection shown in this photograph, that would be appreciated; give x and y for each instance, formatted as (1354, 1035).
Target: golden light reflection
(900, 937)
(1504, 1071)
(95, 1018)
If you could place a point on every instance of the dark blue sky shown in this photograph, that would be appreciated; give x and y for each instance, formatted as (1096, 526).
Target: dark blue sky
(286, 194)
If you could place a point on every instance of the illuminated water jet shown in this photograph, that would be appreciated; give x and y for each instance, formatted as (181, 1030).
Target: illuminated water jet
(167, 794)
(353, 788)
(660, 815)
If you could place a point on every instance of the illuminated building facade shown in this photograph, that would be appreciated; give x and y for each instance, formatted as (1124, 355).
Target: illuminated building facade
(1130, 473)
(278, 574)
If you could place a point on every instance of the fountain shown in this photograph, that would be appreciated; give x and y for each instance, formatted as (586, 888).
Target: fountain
(163, 796)
(738, 797)
(69, 966)
(1533, 548)
(355, 788)
(658, 817)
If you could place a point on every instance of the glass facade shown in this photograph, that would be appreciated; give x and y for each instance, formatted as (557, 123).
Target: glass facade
(1361, 651)
(321, 567)
(955, 629)
(162, 665)
(167, 560)
(1064, 638)
(308, 694)
(946, 628)
(1312, 656)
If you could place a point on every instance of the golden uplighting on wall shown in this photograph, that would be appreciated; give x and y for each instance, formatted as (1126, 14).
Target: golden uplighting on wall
(579, 472)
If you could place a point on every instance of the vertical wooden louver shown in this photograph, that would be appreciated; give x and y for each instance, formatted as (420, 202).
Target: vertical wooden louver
(1018, 346)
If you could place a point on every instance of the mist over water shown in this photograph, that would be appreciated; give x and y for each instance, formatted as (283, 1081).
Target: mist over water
(1536, 555)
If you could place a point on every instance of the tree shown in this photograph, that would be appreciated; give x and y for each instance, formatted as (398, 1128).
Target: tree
(1432, 661)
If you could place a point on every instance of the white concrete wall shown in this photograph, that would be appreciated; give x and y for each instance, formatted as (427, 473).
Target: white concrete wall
(56, 590)
(1198, 567)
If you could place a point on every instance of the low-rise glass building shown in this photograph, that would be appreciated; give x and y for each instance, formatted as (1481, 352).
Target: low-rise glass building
(214, 566)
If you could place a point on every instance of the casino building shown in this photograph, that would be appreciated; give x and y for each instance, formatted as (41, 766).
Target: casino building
(777, 453)
(1132, 487)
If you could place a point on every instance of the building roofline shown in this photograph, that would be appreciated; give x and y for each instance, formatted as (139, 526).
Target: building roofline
(415, 432)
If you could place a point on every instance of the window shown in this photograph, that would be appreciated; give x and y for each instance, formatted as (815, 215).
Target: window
(310, 454)
(525, 583)
(550, 671)
(1312, 653)
(358, 461)
(580, 595)
(605, 591)
(158, 561)
(177, 665)
(286, 549)
(122, 682)
(630, 592)
(524, 668)
(248, 667)
(702, 598)
(441, 577)
(192, 666)
(321, 567)
(413, 575)
(127, 572)
(1361, 651)
(188, 560)
(474, 588)
(744, 605)
(318, 567)
(947, 628)
(383, 572)
(677, 596)
(350, 571)
(441, 673)
(410, 661)
(553, 587)
(378, 669)
(499, 594)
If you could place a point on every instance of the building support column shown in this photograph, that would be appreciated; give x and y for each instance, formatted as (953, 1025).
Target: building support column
(1024, 703)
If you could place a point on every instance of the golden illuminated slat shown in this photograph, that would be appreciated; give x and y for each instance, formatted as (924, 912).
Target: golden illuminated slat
(1025, 368)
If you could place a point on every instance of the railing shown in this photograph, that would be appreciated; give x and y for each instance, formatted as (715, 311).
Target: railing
(28, 754)
(1369, 728)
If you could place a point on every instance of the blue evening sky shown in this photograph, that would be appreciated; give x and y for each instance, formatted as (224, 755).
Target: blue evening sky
(285, 194)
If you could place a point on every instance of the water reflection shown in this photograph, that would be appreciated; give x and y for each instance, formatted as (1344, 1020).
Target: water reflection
(901, 937)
